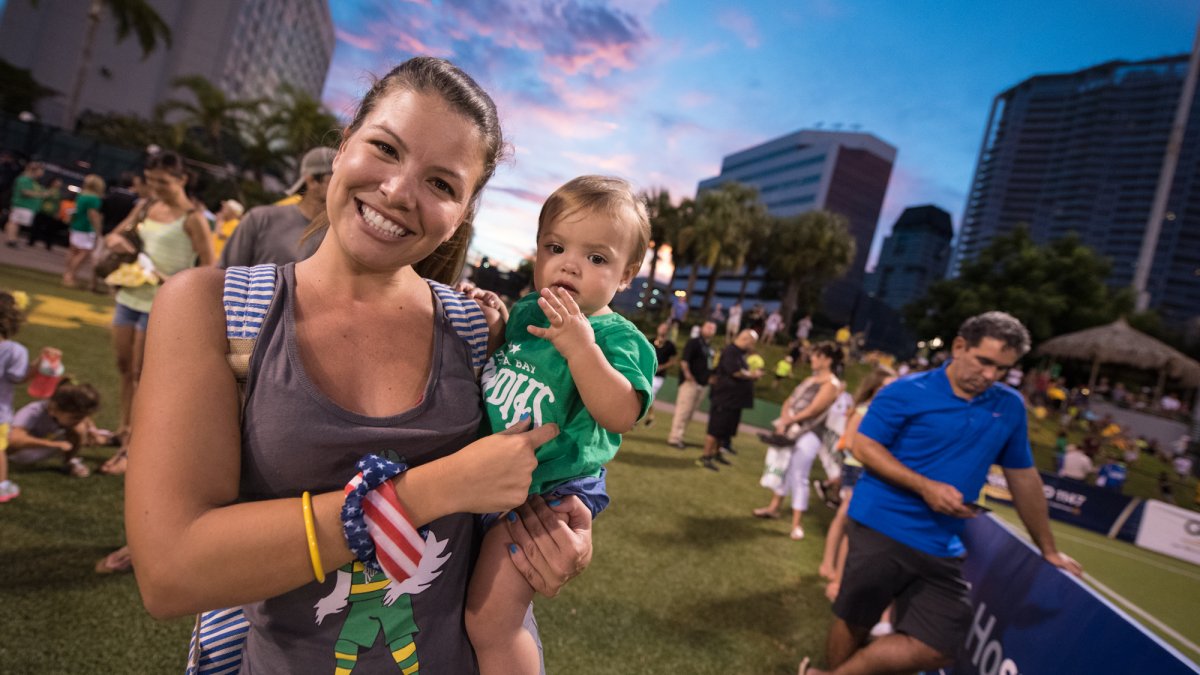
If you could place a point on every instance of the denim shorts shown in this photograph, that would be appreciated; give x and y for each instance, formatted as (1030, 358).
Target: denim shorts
(127, 316)
(591, 490)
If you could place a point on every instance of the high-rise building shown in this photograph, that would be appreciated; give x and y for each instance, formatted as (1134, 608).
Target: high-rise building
(913, 256)
(844, 172)
(248, 48)
(1081, 152)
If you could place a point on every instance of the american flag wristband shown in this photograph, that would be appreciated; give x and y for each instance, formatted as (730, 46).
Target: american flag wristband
(378, 530)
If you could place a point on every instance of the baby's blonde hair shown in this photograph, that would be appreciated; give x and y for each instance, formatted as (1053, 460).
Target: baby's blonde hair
(603, 194)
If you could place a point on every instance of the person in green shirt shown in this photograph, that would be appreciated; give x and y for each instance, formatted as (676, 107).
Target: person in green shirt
(86, 222)
(26, 201)
(568, 360)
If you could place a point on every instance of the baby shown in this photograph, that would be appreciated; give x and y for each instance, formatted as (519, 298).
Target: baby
(568, 359)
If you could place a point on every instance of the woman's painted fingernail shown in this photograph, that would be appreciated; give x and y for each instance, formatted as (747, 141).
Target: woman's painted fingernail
(512, 517)
(512, 548)
(554, 502)
(524, 416)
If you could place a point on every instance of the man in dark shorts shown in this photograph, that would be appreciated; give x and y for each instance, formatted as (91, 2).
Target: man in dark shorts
(732, 392)
(927, 443)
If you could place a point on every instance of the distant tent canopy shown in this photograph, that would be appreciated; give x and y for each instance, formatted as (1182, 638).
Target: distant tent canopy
(1120, 343)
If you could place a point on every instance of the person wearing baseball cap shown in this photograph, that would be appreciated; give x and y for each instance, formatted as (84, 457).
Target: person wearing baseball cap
(271, 234)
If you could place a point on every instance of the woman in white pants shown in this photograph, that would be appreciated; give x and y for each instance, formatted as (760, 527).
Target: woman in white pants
(801, 421)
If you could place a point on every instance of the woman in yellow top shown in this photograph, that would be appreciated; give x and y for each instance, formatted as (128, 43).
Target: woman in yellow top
(174, 237)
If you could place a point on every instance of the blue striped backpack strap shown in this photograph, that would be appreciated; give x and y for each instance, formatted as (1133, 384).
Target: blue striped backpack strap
(220, 635)
(468, 322)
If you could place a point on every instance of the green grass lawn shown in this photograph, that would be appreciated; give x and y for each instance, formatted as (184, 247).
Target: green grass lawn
(683, 579)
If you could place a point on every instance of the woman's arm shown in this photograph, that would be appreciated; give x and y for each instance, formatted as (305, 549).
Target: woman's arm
(194, 547)
(197, 230)
(115, 240)
(820, 403)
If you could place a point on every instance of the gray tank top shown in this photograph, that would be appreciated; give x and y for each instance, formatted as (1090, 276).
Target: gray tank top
(294, 439)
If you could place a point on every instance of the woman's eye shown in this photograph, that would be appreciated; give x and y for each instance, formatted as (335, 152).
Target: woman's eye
(443, 186)
(597, 259)
(384, 148)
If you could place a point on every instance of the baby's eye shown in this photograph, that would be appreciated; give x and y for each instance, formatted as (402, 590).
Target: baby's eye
(597, 259)
(555, 248)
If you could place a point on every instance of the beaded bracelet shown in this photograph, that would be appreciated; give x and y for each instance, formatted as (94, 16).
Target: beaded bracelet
(378, 530)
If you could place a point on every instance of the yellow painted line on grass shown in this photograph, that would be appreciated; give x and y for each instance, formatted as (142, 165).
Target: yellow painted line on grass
(56, 312)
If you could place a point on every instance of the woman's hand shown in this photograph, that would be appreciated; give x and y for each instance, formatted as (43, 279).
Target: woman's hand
(551, 544)
(494, 472)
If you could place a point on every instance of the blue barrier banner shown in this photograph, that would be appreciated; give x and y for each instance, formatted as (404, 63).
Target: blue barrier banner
(1071, 501)
(1031, 617)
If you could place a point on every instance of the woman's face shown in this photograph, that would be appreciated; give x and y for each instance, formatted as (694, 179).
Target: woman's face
(163, 184)
(819, 361)
(402, 183)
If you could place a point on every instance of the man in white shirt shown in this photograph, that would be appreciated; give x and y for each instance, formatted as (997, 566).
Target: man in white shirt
(1076, 464)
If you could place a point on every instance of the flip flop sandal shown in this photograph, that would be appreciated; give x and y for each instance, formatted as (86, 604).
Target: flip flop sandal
(765, 513)
(77, 468)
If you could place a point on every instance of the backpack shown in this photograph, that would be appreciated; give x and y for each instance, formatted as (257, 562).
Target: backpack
(220, 635)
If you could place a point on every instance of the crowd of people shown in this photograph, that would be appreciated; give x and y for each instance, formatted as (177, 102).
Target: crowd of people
(347, 411)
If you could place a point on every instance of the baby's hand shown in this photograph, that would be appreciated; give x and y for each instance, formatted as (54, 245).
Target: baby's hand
(495, 312)
(569, 329)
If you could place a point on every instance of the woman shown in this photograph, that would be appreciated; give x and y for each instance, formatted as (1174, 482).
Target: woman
(86, 222)
(834, 556)
(355, 356)
(806, 407)
(174, 236)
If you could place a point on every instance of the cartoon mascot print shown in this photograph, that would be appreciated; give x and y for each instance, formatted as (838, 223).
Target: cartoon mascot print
(377, 604)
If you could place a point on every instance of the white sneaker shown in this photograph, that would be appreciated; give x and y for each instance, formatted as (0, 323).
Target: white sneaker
(797, 533)
(9, 491)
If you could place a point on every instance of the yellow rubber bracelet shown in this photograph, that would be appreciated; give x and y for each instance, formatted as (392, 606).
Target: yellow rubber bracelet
(310, 530)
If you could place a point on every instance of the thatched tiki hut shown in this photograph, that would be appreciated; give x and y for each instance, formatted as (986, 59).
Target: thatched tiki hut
(1120, 343)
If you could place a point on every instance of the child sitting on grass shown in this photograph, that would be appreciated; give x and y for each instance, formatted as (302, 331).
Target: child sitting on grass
(14, 369)
(570, 360)
(58, 426)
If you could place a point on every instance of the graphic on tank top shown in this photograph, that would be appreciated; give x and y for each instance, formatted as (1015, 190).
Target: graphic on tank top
(377, 605)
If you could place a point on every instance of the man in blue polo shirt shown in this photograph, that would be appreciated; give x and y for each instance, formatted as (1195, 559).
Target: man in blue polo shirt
(927, 443)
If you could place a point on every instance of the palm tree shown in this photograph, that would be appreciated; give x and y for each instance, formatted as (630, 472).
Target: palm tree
(723, 217)
(261, 149)
(131, 15)
(758, 249)
(809, 251)
(300, 121)
(218, 117)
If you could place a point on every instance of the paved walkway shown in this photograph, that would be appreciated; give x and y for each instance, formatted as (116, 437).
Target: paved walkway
(38, 258)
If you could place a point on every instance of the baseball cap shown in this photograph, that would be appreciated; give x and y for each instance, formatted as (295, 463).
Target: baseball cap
(316, 162)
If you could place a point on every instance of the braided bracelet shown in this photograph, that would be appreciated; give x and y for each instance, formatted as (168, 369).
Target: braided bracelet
(378, 530)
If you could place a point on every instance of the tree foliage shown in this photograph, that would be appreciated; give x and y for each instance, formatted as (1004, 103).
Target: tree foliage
(18, 90)
(1053, 289)
(207, 109)
(717, 233)
(806, 253)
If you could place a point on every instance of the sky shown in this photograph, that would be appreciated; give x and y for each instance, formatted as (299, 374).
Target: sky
(658, 91)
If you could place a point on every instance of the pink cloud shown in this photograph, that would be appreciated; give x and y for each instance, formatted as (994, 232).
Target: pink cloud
(742, 26)
(358, 41)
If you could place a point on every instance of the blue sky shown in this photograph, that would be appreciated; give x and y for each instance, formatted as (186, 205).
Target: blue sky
(659, 91)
